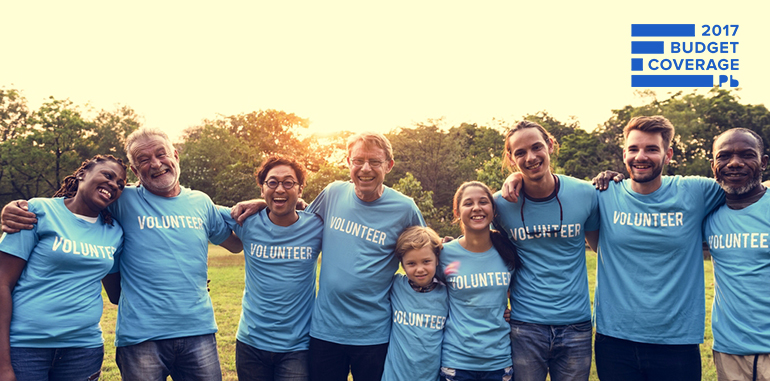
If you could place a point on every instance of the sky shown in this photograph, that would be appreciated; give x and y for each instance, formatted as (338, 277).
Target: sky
(357, 65)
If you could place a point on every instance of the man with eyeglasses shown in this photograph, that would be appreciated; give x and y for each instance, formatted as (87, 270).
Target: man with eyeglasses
(550, 305)
(649, 302)
(350, 326)
(281, 250)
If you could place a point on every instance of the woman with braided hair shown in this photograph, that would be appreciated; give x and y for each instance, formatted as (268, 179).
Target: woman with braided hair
(50, 295)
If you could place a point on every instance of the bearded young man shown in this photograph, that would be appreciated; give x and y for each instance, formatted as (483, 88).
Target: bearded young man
(649, 303)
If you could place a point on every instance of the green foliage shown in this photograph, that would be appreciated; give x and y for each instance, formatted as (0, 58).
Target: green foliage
(39, 148)
(317, 181)
(219, 164)
(110, 130)
(492, 174)
(430, 155)
(435, 218)
(221, 156)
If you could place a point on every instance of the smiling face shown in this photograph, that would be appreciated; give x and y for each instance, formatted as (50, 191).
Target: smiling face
(98, 187)
(156, 164)
(530, 152)
(366, 177)
(475, 209)
(420, 265)
(738, 163)
(645, 154)
(282, 202)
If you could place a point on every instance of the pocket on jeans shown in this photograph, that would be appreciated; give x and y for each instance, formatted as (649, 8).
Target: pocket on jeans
(583, 327)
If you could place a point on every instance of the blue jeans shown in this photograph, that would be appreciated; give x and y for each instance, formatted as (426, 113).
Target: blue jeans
(184, 358)
(254, 364)
(564, 351)
(449, 374)
(332, 362)
(625, 360)
(57, 364)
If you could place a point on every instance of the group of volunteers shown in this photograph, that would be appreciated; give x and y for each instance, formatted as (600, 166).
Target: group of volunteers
(444, 318)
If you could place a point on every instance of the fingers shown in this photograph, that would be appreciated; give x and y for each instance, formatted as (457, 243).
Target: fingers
(16, 216)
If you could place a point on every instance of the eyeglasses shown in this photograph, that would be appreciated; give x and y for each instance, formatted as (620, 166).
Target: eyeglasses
(541, 232)
(372, 163)
(287, 184)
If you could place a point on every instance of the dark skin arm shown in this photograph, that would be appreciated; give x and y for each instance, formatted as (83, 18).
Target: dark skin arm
(111, 283)
(592, 238)
(16, 216)
(10, 270)
(233, 244)
(602, 180)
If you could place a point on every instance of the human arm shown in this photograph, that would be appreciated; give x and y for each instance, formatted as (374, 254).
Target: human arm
(511, 187)
(10, 271)
(245, 209)
(592, 238)
(232, 243)
(111, 283)
(602, 180)
(16, 216)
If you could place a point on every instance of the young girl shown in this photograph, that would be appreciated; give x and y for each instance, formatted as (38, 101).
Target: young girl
(420, 309)
(478, 268)
(50, 296)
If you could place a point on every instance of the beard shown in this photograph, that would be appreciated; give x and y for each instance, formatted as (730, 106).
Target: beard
(741, 190)
(654, 174)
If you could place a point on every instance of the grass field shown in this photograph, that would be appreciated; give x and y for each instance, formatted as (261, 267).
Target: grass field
(226, 272)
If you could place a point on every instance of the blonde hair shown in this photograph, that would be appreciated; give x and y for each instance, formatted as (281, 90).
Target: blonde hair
(415, 238)
(372, 139)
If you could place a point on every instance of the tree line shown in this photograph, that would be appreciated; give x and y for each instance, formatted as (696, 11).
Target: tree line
(219, 156)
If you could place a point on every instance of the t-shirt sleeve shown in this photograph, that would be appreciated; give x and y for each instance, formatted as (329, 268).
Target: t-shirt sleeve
(22, 244)
(218, 229)
(318, 206)
(116, 257)
(713, 195)
(592, 222)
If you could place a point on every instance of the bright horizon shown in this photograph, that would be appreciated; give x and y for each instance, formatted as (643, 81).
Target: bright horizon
(353, 66)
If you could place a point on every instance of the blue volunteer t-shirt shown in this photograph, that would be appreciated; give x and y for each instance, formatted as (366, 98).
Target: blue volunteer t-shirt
(357, 264)
(164, 266)
(739, 241)
(414, 352)
(476, 336)
(57, 301)
(280, 280)
(551, 287)
(649, 282)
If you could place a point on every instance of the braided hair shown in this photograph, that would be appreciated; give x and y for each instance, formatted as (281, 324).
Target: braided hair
(69, 186)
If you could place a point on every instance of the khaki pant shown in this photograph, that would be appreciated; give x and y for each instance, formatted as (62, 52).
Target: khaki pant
(741, 368)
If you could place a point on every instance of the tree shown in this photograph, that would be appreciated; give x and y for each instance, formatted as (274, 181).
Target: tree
(13, 124)
(476, 146)
(427, 153)
(492, 173)
(219, 164)
(110, 130)
(318, 180)
(433, 217)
